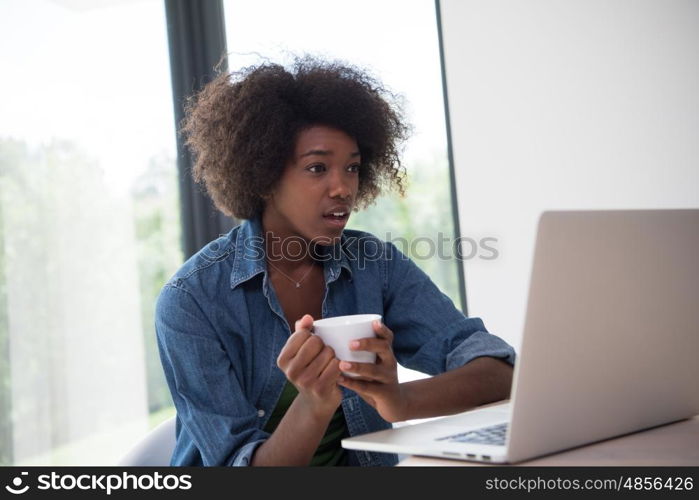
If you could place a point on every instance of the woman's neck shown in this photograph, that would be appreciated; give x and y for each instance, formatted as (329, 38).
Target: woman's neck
(284, 247)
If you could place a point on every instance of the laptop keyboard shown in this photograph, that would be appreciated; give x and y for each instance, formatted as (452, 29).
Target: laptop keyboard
(495, 435)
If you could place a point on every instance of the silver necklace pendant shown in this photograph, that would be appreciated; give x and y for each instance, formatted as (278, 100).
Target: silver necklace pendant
(297, 284)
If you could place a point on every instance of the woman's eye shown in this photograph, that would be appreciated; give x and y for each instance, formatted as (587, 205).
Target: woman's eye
(316, 169)
(353, 168)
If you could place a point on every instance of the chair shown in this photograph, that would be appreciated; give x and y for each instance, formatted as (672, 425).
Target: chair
(155, 449)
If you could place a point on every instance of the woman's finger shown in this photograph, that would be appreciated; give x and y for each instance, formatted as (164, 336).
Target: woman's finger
(331, 372)
(305, 322)
(382, 331)
(320, 362)
(308, 351)
(379, 346)
(292, 346)
(303, 329)
(367, 371)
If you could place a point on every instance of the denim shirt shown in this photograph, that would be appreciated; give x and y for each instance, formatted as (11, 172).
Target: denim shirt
(220, 328)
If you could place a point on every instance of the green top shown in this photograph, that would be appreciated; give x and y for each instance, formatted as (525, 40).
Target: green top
(330, 451)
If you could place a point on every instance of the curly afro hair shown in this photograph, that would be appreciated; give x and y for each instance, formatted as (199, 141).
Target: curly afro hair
(242, 128)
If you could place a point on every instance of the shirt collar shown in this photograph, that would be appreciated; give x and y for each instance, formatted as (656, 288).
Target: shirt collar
(249, 252)
(250, 255)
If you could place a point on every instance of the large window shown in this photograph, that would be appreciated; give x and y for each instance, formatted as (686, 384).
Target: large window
(398, 42)
(89, 210)
(89, 226)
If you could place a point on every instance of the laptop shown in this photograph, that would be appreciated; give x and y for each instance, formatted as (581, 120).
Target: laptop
(609, 344)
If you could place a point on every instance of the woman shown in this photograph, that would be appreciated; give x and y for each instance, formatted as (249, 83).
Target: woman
(294, 152)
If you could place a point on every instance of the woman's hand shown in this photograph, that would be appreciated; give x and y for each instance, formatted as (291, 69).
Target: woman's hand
(312, 367)
(378, 383)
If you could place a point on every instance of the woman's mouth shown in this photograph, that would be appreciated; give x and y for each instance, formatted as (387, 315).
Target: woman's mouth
(337, 218)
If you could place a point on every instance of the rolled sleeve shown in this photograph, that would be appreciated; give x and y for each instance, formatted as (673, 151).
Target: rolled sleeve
(243, 457)
(430, 334)
(215, 416)
(479, 344)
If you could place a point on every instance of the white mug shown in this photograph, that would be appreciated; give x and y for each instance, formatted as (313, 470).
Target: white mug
(339, 331)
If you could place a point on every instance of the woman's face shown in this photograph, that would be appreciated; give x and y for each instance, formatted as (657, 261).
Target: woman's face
(318, 188)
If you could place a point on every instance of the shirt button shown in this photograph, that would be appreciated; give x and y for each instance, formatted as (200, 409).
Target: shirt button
(260, 413)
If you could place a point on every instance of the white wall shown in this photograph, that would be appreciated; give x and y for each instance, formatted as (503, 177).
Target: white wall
(565, 105)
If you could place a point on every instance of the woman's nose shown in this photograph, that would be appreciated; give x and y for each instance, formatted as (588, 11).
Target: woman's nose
(340, 186)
